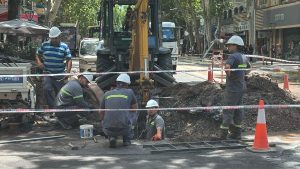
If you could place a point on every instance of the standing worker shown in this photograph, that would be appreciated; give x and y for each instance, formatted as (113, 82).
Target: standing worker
(50, 58)
(235, 88)
(155, 124)
(70, 96)
(118, 122)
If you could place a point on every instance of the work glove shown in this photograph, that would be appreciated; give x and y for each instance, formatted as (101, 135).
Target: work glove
(156, 137)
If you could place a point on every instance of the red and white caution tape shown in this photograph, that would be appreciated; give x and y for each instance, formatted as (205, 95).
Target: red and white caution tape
(14, 111)
(137, 72)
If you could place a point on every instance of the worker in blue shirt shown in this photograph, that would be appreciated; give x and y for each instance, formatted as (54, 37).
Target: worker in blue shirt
(50, 57)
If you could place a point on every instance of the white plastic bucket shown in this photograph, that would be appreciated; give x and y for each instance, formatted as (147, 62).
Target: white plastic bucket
(86, 131)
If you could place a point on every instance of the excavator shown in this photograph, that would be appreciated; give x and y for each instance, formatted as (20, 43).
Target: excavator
(135, 47)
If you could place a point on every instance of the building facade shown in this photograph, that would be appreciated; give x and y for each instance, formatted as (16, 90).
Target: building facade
(278, 26)
(236, 21)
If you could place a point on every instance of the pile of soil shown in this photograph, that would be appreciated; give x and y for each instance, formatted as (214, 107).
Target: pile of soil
(204, 124)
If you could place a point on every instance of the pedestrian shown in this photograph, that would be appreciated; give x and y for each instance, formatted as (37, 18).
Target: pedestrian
(250, 52)
(278, 51)
(273, 53)
(155, 125)
(264, 52)
(70, 96)
(128, 19)
(235, 88)
(245, 49)
(118, 122)
(50, 57)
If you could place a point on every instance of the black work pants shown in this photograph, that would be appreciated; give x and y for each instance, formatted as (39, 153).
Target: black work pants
(232, 117)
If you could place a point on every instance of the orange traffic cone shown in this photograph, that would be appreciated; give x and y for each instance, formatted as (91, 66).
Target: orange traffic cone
(261, 143)
(286, 82)
(209, 74)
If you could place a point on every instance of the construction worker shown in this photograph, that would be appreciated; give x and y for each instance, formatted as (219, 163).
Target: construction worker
(118, 122)
(235, 88)
(155, 124)
(70, 96)
(128, 19)
(50, 57)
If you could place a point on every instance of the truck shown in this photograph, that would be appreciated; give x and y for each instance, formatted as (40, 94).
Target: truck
(138, 48)
(87, 54)
(170, 40)
(16, 92)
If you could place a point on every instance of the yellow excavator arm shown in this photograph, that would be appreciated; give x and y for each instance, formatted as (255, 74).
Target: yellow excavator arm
(139, 52)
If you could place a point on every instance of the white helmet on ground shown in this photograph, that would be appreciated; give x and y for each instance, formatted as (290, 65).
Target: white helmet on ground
(235, 40)
(124, 78)
(152, 103)
(54, 32)
(88, 76)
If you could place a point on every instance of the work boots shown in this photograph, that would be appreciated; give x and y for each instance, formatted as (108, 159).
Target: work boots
(223, 134)
(235, 133)
(112, 142)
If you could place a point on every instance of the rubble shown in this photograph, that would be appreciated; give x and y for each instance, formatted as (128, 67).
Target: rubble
(202, 125)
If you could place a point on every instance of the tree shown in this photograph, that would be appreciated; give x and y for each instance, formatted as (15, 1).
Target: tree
(55, 4)
(85, 12)
(13, 9)
(213, 10)
(185, 14)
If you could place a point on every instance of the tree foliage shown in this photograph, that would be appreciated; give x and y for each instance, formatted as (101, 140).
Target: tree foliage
(85, 12)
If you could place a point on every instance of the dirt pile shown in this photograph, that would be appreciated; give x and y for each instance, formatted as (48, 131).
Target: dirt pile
(201, 125)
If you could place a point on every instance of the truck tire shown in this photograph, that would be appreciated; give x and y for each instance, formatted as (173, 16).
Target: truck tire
(164, 75)
(165, 63)
(104, 63)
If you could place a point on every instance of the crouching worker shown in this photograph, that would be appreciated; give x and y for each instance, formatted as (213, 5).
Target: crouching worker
(70, 96)
(155, 124)
(117, 122)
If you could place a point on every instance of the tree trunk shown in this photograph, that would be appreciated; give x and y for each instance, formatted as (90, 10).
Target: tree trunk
(54, 10)
(195, 24)
(217, 32)
(13, 6)
(207, 19)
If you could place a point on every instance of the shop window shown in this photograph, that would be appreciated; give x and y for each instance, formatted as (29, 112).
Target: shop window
(236, 11)
(225, 14)
(229, 13)
(241, 9)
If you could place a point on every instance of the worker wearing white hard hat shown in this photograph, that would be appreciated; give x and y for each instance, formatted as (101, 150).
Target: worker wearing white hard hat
(50, 59)
(155, 124)
(235, 88)
(70, 96)
(118, 122)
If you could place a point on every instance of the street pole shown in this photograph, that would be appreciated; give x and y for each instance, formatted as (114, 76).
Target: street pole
(254, 27)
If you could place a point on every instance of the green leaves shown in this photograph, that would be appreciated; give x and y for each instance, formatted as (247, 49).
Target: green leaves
(85, 12)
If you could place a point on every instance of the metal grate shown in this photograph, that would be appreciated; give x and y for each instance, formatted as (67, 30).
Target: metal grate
(197, 146)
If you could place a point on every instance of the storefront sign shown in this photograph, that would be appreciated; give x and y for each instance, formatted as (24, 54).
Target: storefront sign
(243, 26)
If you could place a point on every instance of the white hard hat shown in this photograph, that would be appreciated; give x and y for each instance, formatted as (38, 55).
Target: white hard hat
(152, 103)
(124, 78)
(236, 40)
(54, 32)
(87, 75)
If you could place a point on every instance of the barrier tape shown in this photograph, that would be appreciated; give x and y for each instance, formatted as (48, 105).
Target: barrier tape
(273, 59)
(261, 57)
(137, 72)
(14, 111)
